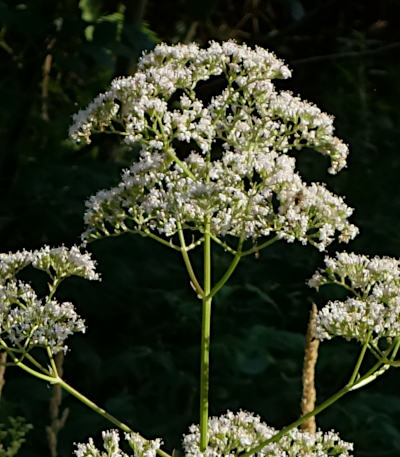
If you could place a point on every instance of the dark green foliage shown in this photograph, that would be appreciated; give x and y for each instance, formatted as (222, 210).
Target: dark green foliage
(12, 435)
(140, 355)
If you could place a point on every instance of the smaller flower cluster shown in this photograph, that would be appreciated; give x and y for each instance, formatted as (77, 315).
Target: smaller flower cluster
(27, 321)
(140, 446)
(12, 263)
(232, 434)
(62, 262)
(373, 312)
(58, 263)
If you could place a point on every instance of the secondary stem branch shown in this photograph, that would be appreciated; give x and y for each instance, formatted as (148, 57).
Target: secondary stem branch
(228, 273)
(187, 262)
(358, 364)
(101, 411)
(57, 381)
(368, 377)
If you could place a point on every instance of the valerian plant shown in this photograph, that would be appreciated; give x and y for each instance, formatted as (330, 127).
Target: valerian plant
(216, 166)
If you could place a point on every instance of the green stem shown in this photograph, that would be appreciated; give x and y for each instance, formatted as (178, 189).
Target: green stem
(181, 164)
(24, 354)
(58, 381)
(52, 362)
(157, 238)
(396, 349)
(53, 287)
(372, 374)
(359, 362)
(349, 288)
(188, 264)
(259, 247)
(84, 400)
(223, 245)
(35, 362)
(37, 374)
(228, 273)
(93, 406)
(205, 339)
(391, 361)
(296, 423)
(379, 368)
(101, 411)
(194, 244)
(377, 354)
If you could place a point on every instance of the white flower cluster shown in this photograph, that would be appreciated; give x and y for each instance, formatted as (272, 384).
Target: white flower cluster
(215, 136)
(233, 434)
(58, 263)
(27, 321)
(12, 262)
(62, 262)
(140, 446)
(374, 310)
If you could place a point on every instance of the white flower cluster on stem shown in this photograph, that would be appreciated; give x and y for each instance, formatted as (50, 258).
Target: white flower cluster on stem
(232, 434)
(27, 321)
(62, 262)
(111, 443)
(373, 310)
(214, 138)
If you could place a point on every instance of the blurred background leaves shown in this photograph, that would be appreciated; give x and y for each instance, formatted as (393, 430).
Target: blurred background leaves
(139, 357)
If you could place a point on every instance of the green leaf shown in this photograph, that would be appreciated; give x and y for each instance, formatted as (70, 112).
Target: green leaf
(90, 10)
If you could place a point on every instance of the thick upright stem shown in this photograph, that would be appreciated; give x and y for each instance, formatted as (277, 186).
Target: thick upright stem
(205, 339)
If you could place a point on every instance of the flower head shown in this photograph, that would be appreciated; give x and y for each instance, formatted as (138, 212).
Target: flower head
(214, 136)
(27, 321)
(373, 310)
(234, 433)
(111, 443)
(61, 262)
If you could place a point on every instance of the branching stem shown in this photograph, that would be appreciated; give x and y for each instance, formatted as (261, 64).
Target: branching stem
(359, 361)
(186, 259)
(228, 273)
(378, 369)
(56, 380)
(259, 247)
(146, 233)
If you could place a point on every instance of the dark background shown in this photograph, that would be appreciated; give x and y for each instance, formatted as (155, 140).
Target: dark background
(140, 356)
